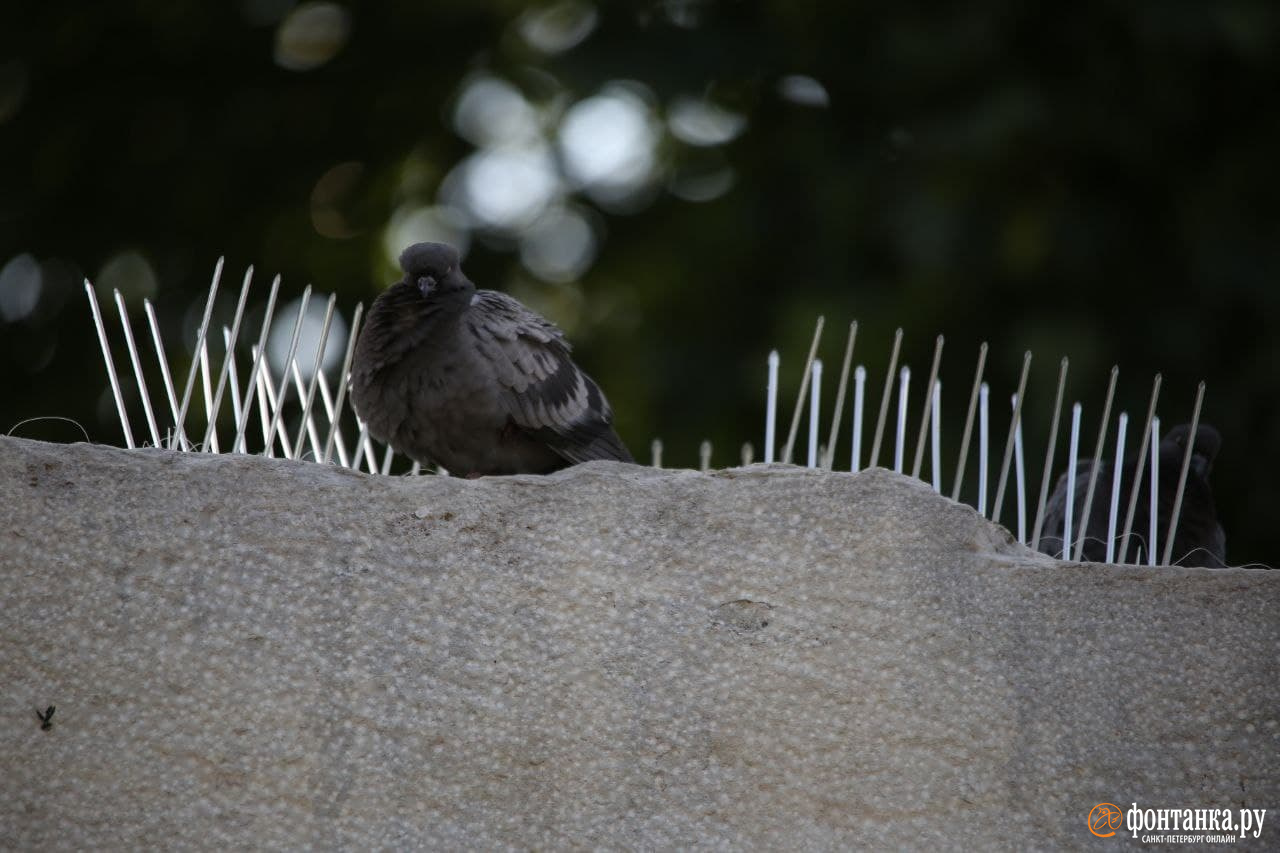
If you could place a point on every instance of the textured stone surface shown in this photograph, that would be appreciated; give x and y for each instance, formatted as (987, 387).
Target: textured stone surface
(249, 653)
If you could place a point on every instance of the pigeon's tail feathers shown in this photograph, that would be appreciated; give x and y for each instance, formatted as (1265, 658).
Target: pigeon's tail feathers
(582, 441)
(603, 445)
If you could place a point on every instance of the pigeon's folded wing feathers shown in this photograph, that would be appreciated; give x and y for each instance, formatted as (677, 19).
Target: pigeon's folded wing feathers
(545, 393)
(1055, 510)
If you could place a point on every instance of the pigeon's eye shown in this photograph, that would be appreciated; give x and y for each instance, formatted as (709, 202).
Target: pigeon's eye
(426, 284)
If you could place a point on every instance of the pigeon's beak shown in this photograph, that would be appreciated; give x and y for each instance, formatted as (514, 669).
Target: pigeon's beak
(426, 285)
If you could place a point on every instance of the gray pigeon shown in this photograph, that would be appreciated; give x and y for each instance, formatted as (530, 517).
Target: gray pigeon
(1199, 539)
(473, 380)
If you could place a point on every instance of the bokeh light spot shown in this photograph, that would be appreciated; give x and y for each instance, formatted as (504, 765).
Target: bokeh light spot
(311, 35)
(328, 197)
(686, 14)
(415, 224)
(20, 285)
(702, 185)
(503, 189)
(492, 112)
(700, 122)
(560, 246)
(803, 90)
(609, 142)
(558, 27)
(130, 273)
(281, 336)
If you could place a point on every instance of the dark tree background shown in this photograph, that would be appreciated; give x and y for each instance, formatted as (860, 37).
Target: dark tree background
(683, 186)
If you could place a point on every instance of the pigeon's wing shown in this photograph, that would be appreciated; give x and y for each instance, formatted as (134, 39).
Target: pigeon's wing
(1055, 515)
(544, 393)
(1055, 512)
(1199, 539)
(1094, 528)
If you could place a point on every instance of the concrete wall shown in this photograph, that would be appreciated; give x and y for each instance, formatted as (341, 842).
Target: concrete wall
(254, 653)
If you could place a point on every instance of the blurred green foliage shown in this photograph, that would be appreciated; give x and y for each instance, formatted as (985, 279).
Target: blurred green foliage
(1096, 180)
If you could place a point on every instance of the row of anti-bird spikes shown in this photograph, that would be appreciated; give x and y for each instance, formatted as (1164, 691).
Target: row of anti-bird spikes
(272, 394)
(929, 430)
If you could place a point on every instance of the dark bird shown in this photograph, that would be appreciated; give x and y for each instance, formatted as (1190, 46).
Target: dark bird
(1199, 539)
(473, 380)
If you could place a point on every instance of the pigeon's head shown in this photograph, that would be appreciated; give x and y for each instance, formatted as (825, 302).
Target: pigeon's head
(1204, 448)
(433, 269)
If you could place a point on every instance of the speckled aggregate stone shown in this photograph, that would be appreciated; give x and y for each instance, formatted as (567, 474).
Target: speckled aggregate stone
(252, 653)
